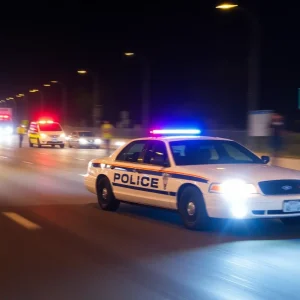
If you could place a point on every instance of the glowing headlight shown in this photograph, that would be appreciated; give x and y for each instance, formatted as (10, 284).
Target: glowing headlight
(233, 189)
(119, 143)
(62, 135)
(43, 135)
(97, 141)
(9, 129)
(82, 141)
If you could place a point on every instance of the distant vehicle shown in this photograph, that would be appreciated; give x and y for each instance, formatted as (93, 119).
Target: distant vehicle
(6, 122)
(200, 177)
(83, 139)
(46, 133)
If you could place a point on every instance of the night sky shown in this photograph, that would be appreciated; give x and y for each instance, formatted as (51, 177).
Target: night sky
(198, 57)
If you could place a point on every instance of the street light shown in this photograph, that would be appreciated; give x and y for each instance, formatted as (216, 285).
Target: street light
(64, 100)
(96, 89)
(253, 56)
(146, 87)
(42, 97)
(129, 54)
(82, 71)
(47, 84)
(226, 5)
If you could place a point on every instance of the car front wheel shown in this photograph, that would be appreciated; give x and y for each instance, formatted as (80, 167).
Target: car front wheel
(106, 198)
(192, 209)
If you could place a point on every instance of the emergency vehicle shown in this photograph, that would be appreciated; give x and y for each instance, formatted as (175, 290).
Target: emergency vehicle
(200, 177)
(6, 122)
(46, 133)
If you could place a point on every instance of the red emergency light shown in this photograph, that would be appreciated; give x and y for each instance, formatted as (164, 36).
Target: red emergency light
(45, 122)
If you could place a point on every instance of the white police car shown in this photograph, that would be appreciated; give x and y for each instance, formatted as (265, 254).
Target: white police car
(201, 177)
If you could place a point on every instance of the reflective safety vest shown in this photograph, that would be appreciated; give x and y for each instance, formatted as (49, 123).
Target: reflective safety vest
(21, 130)
(107, 131)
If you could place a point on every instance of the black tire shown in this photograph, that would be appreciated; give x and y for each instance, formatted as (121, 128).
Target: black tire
(192, 209)
(53, 146)
(62, 146)
(106, 198)
(294, 221)
(30, 144)
(98, 147)
(70, 146)
(39, 144)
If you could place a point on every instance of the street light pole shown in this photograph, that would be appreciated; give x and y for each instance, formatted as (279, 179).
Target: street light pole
(96, 95)
(64, 105)
(146, 87)
(42, 99)
(253, 93)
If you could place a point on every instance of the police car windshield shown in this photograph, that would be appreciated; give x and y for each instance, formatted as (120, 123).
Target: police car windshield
(205, 152)
(86, 133)
(50, 127)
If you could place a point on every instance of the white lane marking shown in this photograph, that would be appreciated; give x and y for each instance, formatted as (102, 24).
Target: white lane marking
(83, 175)
(80, 158)
(3, 156)
(27, 162)
(22, 221)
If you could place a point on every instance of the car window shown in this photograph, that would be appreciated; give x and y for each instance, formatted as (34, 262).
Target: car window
(156, 154)
(132, 152)
(86, 134)
(200, 152)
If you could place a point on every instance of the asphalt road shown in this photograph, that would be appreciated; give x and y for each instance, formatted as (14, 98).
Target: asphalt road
(57, 244)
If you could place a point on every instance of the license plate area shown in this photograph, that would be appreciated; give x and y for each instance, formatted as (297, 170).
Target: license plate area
(290, 206)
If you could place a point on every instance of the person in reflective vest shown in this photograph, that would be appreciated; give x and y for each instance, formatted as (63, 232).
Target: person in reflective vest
(21, 131)
(107, 134)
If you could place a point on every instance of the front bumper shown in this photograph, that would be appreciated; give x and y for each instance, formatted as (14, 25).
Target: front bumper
(51, 142)
(254, 207)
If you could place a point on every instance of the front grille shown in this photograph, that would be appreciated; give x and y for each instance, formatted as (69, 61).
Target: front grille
(91, 141)
(280, 187)
(54, 136)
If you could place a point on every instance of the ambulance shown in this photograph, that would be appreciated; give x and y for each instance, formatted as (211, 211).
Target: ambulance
(46, 133)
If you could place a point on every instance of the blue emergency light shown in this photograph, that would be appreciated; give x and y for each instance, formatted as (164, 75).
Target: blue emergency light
(175, 132)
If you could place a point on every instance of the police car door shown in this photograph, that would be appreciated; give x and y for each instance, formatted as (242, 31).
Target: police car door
(154, 185)
(124, 171)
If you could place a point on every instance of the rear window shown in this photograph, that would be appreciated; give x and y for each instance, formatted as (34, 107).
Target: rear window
(50, 127)
(86, 133)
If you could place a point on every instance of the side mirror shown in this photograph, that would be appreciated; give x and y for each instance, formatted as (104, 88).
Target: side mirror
(265, 159)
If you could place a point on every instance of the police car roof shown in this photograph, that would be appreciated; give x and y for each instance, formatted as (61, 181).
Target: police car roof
(183, 138)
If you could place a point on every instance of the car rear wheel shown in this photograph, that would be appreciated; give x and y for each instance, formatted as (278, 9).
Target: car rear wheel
(192, 209)
(291, 221)
(62, 146)
(106, 198)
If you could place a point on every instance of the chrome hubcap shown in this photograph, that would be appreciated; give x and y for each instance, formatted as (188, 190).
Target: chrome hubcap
(104, 194)
(191, 209)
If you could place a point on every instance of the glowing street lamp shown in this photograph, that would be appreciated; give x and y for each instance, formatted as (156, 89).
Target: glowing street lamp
(47, 84)
(82, 72)
(129, 53)
(226, 5)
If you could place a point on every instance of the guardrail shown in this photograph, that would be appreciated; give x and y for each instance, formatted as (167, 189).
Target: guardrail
(291, 141)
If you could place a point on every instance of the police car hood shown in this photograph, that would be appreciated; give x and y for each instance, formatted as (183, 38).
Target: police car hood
(58, 133)
(250, 173)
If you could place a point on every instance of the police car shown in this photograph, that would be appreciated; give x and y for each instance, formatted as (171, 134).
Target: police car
(200, 177)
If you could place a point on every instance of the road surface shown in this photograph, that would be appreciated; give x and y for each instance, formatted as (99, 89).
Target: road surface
(57, 244)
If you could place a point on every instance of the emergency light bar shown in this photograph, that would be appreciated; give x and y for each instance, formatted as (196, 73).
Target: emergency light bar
(45, 122)
(175, 131)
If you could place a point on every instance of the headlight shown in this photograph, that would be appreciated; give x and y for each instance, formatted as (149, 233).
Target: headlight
(43, 135)
(9, 129)
(82, 141)
(62, 135)
(97, 141)
(119, 143)
(233, 189)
